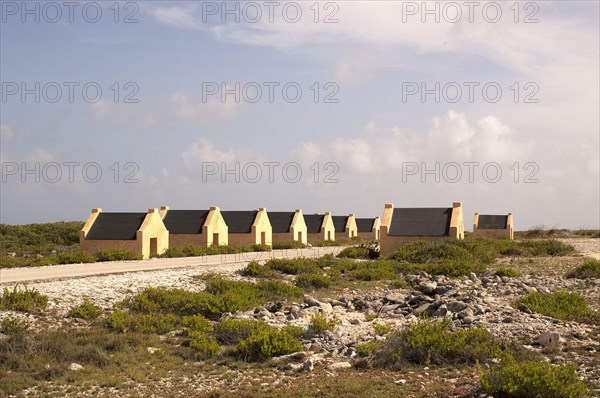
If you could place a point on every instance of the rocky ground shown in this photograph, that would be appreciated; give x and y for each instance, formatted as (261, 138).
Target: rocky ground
(485, 300)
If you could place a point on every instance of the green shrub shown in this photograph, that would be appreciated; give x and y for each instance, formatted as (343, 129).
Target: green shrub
(154, 323)
(267, 343)
(255, 270)
(221, 296)
(205, 346)
(381, 329)
(290, 244)
(355, 252)
(560, 305)
(117, 255)
(23, 299)
(507, 271)
(313, 281)
(530, 379)
(118, 320)
(319, 324)
(369, 348)
(122, 321)
(589, 269)
(373, 270)
(169, 301)
(231, 296)
(86, 310)
(293, 266)
(546, 247)
(26, 261)
(75, 257)
(232, 331)
(197, 323)
(185, 251)
(13, 325)
(433, 343)
(261, 248)
(588, 233)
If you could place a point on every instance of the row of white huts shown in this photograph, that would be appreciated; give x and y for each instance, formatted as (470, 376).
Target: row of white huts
(155, 231)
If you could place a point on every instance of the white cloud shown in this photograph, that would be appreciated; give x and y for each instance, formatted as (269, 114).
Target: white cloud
(203, 151)
(187, 108)
(452, 138)
(182, 16)
(150, 113)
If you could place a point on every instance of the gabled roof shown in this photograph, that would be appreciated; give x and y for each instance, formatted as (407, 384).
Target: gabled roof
(420, 222)
(116, 226)
(313, 222)
(339, 223)
(281, 221)
(489, 221)
(364, 224)
(239, 222)
(185, 221)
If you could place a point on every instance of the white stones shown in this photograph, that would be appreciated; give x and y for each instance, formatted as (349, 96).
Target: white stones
(339, 365)
(550, 340)
(75, 367)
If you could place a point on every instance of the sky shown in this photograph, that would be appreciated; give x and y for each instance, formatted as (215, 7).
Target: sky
(337, 106)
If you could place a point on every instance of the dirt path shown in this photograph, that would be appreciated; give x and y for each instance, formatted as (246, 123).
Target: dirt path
(215, 263)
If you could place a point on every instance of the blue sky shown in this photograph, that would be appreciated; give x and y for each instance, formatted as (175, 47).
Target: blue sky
(371, 136)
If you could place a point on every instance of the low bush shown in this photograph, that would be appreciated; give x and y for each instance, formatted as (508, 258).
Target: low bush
(168, 301)
(365, 270)
(154, 323)
(86, 310)
(355, 252)
(369, 348)
(122, 321)
(313, 281)
(267, 343)
(203, 344)
(560, 305)
(382, 329)
(197, 323)
(185, 251)
(221, 296)
(255, 270)
(118, 320)
(75, 257)
(526, 379)
(232, 331)
(319, 324)
(326, 243)
(13, 325)
(587, 270)
(433, 343)
(260, 248)
(23, 299)
(545, 247)
(117, 255)
(293, 266)
(507, 271)
(290, 244)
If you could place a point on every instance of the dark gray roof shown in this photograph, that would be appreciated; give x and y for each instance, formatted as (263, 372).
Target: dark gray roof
(281, 221)
(116, 226)
(339, 223)
(420, 222)
(185, 221)
(239, 222)
(489, 221)
(313, 222)
(365, 224)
